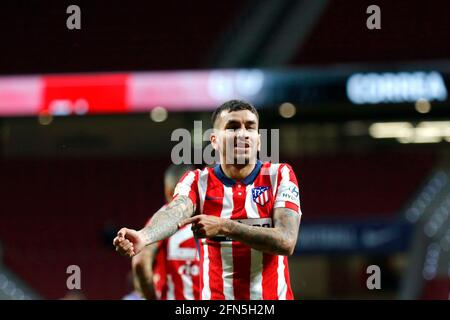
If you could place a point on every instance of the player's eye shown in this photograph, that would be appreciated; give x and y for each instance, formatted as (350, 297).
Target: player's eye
(233, 127)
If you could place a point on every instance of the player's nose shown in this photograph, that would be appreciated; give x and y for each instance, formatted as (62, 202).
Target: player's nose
(242, 133)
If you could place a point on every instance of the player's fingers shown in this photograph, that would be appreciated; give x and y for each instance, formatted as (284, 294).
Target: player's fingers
(189, 220)
(121, 251)
(121, 233)
(121, 246)
(118, 239)
(127, 246)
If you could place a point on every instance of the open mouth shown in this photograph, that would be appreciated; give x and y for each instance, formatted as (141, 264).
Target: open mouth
(242, 145)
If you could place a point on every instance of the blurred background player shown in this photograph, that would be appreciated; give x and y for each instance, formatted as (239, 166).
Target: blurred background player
(169, 269)
(133, 288)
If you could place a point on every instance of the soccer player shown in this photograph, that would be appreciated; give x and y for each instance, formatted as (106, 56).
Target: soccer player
(246, 214)
(169, 269)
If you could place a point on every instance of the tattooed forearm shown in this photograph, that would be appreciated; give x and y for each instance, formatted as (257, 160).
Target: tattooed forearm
(279, 240)
(165, 222)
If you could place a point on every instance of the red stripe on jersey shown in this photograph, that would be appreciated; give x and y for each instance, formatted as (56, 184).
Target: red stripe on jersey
(160, 270)
(263, 180)
(291, 205)
(201, 255)
(292, 176)
(293, 179)
(270, 277)
(177, 280)
(280, 167)
(270, 264)
(215, 272)
(289, 295)
(213, 206)
(241, 252)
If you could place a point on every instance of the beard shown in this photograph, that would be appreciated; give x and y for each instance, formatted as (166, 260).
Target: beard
(239, 153)
(241, 158)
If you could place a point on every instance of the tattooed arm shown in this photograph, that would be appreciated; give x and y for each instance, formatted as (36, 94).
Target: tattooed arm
(164, 223)
(280, 240)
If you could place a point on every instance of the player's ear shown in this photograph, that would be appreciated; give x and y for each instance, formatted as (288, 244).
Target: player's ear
(213, 138)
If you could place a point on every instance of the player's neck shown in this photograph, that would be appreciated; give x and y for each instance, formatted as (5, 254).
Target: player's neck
(237, 171)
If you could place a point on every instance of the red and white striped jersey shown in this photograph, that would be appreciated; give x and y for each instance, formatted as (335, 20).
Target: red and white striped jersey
(176, 269)
(230, 269)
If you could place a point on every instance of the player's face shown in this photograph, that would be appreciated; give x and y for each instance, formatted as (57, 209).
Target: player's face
(236, 137)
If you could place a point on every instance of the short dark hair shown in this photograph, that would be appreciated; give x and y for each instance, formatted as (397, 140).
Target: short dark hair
(233, 105)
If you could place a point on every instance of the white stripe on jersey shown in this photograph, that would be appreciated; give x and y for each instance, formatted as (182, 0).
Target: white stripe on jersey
(206, 291)
(256, 275)
(170, 288)
(284, 179)
(273, 171)
(188, 288)
(226, 249)
(226, 253)
(185, 187)
(251, 208)
(282, 286)
(227, 204)
(202, 185)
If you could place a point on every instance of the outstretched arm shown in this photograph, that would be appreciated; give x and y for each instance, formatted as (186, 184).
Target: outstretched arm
(164, 223)
(280, 240)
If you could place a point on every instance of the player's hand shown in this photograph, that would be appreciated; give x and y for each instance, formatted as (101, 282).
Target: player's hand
(128, 242)
(204, 226)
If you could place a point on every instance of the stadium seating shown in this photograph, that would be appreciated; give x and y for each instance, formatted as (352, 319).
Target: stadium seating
(158, 35)
(353, 42)
(375, 185)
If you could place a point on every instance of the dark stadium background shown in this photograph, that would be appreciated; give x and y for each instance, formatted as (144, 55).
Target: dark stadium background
(69, 182)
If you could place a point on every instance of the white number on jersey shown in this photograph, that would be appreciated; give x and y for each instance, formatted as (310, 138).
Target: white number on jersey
(174, 251)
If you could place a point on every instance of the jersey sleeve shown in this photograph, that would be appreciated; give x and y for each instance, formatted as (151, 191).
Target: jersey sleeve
(188, 186)
(288, 194)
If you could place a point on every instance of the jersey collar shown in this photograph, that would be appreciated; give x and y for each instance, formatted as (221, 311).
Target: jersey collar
(231, 182)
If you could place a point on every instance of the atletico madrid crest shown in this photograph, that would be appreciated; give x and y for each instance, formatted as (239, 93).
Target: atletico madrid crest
(261, 195)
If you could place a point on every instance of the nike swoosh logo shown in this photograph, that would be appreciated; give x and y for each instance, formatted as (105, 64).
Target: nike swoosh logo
(213, 198)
